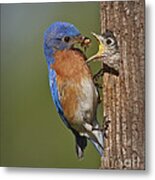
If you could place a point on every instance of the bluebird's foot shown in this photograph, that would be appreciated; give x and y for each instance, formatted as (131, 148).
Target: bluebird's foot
(106, 69)
(98, 87)
(106, 126)
(98, 75)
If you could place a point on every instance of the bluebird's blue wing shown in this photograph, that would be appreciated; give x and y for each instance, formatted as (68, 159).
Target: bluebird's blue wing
(54, 92)
(81, 142)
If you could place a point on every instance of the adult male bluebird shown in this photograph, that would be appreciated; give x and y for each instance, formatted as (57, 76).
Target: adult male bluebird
(71, 85)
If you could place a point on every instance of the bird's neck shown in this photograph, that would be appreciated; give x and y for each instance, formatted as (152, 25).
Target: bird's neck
(70, 64)
(49, 60)
(49, 54)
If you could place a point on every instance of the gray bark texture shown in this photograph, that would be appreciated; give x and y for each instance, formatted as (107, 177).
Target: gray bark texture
(123, 96)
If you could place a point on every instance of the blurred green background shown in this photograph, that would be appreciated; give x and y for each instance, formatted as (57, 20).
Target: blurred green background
(32, 133)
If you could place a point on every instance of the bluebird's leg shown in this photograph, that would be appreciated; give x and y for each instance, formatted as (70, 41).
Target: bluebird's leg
(105, 127)
(106, 123)
(105, 69)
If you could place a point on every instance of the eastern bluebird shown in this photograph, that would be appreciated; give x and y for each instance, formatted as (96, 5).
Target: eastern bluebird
(71, 85)
(108, 50)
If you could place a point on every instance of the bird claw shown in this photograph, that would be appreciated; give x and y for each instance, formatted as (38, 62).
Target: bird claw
(100, 99)
(98, 75)
(106, 126)
(106, 69)
(98, 85)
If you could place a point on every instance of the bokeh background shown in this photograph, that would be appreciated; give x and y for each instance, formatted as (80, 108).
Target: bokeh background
(32, 133)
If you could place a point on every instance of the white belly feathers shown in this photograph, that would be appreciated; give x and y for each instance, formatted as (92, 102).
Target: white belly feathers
(87, 102)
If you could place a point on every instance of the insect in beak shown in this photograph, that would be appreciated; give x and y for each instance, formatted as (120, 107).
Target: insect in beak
(86, 43)
(83, 41)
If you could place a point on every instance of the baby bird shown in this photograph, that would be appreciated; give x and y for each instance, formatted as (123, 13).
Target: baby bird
(108, 50)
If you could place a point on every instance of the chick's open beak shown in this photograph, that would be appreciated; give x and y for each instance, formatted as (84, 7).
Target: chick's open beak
(101, 49)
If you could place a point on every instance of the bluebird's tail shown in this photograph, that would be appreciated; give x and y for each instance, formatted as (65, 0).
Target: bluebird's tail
(81, 143)
(98, 140)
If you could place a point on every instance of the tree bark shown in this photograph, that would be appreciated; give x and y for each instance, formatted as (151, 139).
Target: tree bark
(123, 96)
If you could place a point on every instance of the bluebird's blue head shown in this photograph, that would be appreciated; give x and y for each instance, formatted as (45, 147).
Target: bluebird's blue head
(60, 36)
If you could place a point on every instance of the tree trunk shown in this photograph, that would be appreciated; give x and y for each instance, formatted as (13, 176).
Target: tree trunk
(123, 96)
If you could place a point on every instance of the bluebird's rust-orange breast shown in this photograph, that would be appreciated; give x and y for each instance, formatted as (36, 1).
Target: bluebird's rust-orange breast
(70, 64)
(70, 68)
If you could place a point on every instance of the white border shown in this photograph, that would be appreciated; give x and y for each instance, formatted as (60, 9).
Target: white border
(149, 173)
(36, 1)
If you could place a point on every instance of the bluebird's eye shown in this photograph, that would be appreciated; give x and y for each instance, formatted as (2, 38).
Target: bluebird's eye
(66, 38)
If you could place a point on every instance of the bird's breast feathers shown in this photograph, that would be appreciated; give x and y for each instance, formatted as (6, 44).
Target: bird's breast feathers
(70, 63)
(77, 92)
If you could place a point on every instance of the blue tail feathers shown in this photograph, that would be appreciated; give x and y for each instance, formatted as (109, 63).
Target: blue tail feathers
(98, 143)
